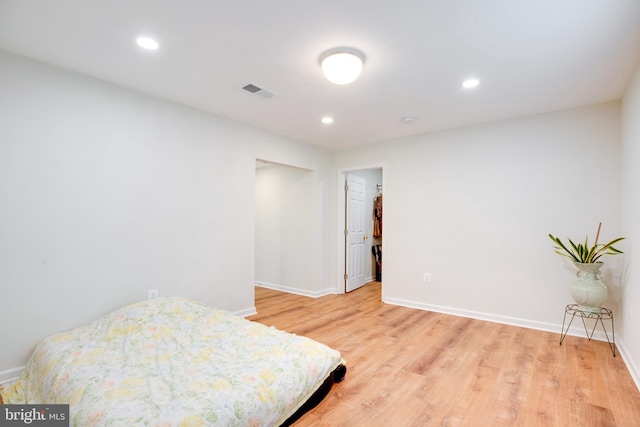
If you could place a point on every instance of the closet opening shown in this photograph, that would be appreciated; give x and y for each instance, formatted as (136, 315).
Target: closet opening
(361, 227)
(285, 208)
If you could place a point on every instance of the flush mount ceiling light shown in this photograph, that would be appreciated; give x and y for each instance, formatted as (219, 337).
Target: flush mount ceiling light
(342, 65)
(470, 83)
(147, 43)
(327, 120)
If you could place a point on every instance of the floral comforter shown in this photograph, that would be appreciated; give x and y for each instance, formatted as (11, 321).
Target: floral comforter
(174, 362)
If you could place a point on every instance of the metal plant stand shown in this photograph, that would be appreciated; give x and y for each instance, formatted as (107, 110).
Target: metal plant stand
(574, 310)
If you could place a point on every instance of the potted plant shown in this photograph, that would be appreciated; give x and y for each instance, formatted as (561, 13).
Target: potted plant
(588, 290)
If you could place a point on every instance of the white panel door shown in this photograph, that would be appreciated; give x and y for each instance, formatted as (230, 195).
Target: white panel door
(355, 248)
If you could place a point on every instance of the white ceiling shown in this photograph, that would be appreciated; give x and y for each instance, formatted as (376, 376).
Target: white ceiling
(531, 56)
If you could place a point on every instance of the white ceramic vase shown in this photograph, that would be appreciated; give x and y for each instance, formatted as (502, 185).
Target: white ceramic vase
(587, 290)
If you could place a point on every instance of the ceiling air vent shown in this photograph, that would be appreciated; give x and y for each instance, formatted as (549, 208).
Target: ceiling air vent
(264, 93)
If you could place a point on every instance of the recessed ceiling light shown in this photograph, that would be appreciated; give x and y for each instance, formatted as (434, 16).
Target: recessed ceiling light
(470, 83)
(327, 120)
(147, 43)
(408, 119)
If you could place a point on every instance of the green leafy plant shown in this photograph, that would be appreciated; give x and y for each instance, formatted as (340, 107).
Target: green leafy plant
(584, 253)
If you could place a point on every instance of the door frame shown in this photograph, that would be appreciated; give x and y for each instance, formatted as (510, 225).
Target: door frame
(342, 176)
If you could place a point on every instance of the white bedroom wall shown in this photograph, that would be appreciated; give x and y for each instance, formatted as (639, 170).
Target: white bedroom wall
(106, 193)
(473, 207)
(630, 294)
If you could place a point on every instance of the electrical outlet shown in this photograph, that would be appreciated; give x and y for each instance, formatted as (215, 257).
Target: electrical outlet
(427, 278)
(153, 293)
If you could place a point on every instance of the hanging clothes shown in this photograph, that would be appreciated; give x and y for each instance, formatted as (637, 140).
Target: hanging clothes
(377, 254)
(377, 217)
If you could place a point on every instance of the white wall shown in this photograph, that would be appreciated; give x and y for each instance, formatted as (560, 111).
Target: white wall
(286, 248)
(106, 193)
(631, 214)
(473, 207)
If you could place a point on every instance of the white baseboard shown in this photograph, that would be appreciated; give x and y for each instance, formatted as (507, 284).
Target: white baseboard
(10, 375)
(575, 330)
(246, 312)
(297, 291)
(633, 369)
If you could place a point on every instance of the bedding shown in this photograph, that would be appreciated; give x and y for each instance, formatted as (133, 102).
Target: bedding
(175, 362)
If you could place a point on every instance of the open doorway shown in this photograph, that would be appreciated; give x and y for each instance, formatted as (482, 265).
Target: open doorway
(360, 226)
(285, 249)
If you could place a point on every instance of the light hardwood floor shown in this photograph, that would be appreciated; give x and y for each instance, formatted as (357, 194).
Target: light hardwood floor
(409, 367)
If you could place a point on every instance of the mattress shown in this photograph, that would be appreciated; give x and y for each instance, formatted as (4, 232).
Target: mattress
(175, 362)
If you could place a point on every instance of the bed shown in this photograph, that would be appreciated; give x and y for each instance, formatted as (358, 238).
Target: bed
(177, 362)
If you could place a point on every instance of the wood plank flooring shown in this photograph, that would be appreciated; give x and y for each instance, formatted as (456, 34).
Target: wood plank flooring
(409, 367)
